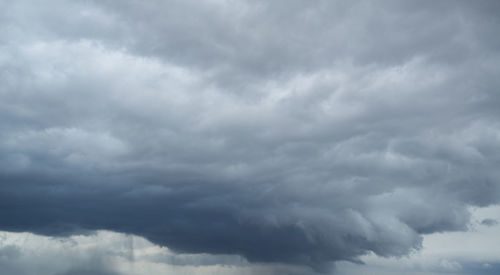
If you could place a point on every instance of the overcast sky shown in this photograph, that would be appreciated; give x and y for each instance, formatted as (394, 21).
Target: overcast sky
(249, 137)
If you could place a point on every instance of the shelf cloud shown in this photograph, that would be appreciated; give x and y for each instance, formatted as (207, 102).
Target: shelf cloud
(285, 132)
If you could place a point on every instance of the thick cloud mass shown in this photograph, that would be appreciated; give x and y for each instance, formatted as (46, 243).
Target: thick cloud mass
(302, 132)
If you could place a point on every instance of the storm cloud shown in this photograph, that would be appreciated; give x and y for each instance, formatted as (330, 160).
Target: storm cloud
(293, 132)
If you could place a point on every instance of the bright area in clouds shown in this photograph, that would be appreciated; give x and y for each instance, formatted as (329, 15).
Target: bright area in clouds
(258, 137)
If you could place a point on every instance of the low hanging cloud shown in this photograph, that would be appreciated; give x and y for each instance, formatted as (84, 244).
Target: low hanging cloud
(288, 132)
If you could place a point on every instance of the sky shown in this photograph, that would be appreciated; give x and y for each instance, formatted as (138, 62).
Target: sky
(249, 137)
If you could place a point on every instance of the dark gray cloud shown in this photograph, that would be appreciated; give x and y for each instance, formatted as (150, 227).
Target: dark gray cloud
(489, 222)
(286, 131)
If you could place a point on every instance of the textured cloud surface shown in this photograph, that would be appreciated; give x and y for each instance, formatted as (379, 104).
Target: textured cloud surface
(289, 132)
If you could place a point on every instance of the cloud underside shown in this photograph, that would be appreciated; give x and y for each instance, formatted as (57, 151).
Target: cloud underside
(285, 132)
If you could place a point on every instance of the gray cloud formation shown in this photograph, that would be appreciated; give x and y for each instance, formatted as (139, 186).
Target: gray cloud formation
(285, 131)
(489, 222)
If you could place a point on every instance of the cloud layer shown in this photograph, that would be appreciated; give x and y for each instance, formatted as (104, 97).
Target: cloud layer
(285, 132)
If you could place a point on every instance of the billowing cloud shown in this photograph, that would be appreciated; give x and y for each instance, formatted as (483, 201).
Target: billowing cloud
(289, 132)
